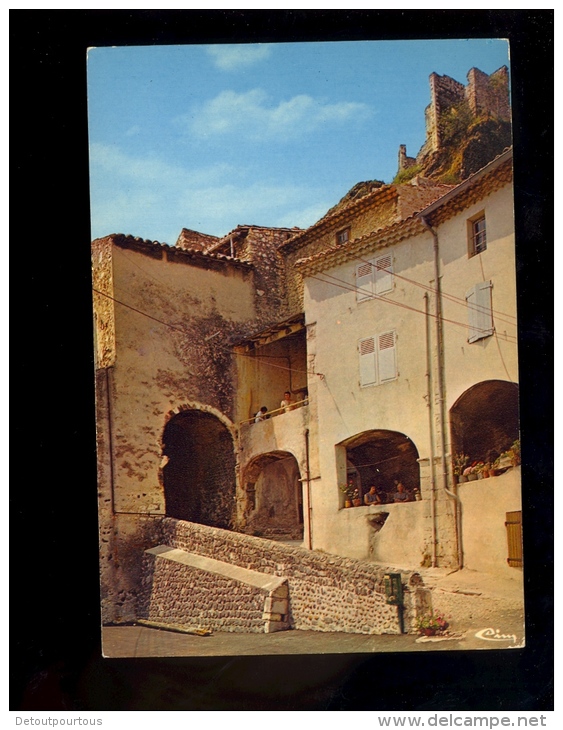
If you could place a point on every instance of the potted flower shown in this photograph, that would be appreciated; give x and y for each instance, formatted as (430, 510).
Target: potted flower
(348, 492)
(356, 499)
(430, 624)
(479, 469)
(514, 453)
(504, 461)
(470, 472)
(459, 464)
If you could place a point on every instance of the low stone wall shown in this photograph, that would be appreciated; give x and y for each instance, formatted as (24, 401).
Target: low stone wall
(179, 594)
(326, 592)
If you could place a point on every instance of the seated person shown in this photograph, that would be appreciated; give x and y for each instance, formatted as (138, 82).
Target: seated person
(372, 497)
(401, 495)
(261, 415)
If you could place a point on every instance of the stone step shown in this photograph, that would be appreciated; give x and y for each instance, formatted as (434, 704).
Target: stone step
(184, 588)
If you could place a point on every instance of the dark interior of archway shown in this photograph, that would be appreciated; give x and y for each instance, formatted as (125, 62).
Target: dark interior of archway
(383, 458)
(484, 421)
(199, 479)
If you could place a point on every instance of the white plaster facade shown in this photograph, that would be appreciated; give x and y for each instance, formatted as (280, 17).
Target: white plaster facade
(417, 533)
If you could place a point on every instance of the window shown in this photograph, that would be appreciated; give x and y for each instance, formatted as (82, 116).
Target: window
(479, 311)
(477, 235)
(374, 276)
(343, 236)
(378, 359)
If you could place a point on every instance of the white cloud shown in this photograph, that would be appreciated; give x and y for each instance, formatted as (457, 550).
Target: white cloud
(153, 199)
(234, 57)
(253, 114)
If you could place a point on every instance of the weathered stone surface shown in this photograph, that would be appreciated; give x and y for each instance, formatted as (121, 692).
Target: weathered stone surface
(326, 593)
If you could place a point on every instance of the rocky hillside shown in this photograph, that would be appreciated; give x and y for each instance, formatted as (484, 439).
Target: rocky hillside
(469, 143)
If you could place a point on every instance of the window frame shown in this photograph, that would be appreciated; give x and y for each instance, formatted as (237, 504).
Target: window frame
(377, 348)
(477, 239)
(373, 283)
(347, 231)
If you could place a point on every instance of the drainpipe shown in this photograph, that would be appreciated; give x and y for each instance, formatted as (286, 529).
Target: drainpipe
(429, 402)
(441, 389)
(308, 492)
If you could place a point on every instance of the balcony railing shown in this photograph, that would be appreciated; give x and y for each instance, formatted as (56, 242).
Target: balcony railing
(277, 411)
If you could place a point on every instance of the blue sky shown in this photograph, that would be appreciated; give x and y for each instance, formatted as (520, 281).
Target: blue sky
(209, 137)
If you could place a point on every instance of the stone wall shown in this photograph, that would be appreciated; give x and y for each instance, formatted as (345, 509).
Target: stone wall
(326, 592)
(484, 94)
(195, 240)
(489, 94)
(445, 92)
(179, 594)
(104, 314)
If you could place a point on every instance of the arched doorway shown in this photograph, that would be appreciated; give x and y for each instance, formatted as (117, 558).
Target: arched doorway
(484, 420)
(274, 503)
(199, 478)
(382, 458)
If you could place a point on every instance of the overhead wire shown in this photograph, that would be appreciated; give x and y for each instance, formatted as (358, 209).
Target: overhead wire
(225, 349)
(427, 287)
(350, 287)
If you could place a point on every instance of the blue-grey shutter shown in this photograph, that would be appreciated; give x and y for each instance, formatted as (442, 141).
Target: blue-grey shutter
(479, 311)
(364, 278)
(387, 356)
(383, 274)
(368, 372)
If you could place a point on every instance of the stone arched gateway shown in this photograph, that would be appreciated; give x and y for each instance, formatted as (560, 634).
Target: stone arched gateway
(199, 477)
(484, 420)
(273, 504)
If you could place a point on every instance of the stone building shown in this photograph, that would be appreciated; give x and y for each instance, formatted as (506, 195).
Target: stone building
(391, 322)
(471, 122)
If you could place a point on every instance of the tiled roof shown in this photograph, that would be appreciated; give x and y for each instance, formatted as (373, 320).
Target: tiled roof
(494, 175)
(174, 252)
(411, 198)
(378, 196)
(377, 239)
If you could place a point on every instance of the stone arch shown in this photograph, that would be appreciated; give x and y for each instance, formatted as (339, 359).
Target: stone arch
(484, 420)
(199, 476)
(273, 501)
(204, 408)
(381, 458)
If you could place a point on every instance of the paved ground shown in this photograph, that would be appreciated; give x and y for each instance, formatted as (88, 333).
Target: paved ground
(485, 612)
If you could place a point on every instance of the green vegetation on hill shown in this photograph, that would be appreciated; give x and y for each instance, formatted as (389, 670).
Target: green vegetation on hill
(468, 144)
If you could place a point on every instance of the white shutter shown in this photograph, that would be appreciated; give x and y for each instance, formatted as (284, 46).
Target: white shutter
(364, 278)
(368, 373)
(479, 311)
(387, 358)
(383, 274)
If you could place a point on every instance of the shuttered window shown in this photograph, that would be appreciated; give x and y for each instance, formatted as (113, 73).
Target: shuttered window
(378, 359)
(383, 273)
(374, 276)
(387, 357)
(368, 362)
(479, 311)
(364, 279)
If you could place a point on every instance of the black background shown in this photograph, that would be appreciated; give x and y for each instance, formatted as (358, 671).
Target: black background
(55, 622)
